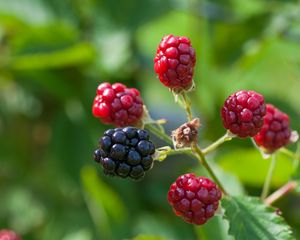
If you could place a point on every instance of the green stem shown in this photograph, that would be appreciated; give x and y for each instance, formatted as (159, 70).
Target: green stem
(227, 137)
(159, 133)
(289, 153)
(199, 154)
(267, 184)
(180, 151)
(296, 161)
(187, 106)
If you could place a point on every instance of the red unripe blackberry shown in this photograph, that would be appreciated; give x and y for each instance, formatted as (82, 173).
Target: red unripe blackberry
(8, 235)
(174, 62)
(118, 105)
(125, 152)
(275, 132)
(195, 199)
(243, 112)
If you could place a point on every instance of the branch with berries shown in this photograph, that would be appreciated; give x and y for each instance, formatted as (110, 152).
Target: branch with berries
(128, 152)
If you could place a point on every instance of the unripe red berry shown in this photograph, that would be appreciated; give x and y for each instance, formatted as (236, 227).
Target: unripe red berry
(243, 112)
(195, 199)
(8, 235)
(275, 132)
(118, 105)
(174, 62)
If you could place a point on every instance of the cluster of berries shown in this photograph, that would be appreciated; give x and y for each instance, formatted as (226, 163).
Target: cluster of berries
(245, 114)
(128, 152)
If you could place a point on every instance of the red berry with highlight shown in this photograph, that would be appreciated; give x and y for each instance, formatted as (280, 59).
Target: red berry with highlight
(195, 199)
(275, 132)
(8, 235)
(174, 62)
(118, 105)
(243, 112)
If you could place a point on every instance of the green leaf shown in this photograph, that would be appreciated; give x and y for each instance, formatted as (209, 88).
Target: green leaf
(250, 219)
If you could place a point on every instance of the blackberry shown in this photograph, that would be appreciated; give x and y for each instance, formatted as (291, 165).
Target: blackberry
(174, 62)
(243, 112)
(118, 105)
(125, 152)
(195, 199)
(275, 132)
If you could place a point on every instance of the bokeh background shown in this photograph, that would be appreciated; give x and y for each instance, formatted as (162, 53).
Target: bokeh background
(54, 53)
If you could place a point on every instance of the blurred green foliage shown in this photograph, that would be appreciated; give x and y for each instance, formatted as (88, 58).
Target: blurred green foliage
(54, 53)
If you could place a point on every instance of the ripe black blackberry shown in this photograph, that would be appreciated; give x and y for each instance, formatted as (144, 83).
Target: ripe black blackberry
(125, 152)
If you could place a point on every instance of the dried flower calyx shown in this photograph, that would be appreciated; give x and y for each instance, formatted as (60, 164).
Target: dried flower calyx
(186, 134)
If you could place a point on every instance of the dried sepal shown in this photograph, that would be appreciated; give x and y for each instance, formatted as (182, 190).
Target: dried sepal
(186, 134)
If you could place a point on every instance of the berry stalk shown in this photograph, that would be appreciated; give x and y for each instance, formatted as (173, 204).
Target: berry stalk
(159, 133)
(285, 189)
(187, 106)
(225, 138)
(180, 151)
(289, 153)
(201, 157)
(296, 158)
(267, 184)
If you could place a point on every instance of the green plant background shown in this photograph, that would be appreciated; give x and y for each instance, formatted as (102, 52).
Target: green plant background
(54, 53)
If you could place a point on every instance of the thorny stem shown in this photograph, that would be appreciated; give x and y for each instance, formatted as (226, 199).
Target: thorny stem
(226, 137)
(266, 187)
(187, 106)
(200, 156)
(285, 189)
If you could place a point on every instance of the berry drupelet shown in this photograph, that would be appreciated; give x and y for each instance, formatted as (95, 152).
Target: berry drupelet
(125, 152)
(118, 105)
(174, 62)
(8, 235)
(195, 199)
(243, 112)
(275, 132)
